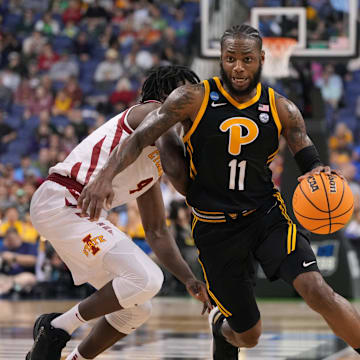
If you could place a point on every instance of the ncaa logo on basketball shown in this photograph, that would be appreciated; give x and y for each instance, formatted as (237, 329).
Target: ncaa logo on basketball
(264, 118)
(312, 183)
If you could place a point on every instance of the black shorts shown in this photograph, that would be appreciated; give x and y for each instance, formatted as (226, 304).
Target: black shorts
(227, 251)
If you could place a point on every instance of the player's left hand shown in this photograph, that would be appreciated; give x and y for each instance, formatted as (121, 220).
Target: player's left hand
(93, 196)
(197, 290)
(316, 171)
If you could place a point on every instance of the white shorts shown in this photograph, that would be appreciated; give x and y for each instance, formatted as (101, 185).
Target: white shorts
(80, 243)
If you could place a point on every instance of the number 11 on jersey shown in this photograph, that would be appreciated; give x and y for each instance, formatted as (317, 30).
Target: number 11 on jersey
(233, 164)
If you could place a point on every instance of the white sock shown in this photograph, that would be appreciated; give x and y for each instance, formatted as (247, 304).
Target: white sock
(69, 321)
(75, 355)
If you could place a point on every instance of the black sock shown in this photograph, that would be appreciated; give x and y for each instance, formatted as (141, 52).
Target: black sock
(357, 350)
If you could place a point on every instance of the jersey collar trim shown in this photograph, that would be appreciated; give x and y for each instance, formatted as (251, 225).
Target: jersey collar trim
(238, 105)
(200, 113)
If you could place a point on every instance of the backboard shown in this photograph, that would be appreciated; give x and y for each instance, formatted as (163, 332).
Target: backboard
(323, 29)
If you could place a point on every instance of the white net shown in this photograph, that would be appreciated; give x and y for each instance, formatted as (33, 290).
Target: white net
(277, 56)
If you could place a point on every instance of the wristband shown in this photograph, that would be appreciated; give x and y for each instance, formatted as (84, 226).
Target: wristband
(307, 159)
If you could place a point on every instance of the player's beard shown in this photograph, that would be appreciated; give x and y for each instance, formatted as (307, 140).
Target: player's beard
(252, 85)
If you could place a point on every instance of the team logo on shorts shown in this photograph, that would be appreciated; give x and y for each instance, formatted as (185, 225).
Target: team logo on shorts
(91, 244)
(264, 118)
(214, 96)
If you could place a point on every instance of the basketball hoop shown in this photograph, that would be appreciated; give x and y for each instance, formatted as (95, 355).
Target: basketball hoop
(277, 56)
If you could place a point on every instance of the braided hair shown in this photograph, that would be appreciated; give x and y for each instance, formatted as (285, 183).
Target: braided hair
(241, 31)
(162, 80)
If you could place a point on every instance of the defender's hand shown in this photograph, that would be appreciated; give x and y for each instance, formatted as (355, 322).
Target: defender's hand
(93, 196)
(197, 290)
(316, 171)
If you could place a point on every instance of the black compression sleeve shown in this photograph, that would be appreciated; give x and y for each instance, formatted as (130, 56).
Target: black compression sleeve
(308, 158)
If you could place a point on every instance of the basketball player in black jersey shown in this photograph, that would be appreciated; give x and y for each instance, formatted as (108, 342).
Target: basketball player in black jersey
(232, 127)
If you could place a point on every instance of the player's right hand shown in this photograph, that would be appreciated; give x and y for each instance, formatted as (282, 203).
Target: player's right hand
(93, 195)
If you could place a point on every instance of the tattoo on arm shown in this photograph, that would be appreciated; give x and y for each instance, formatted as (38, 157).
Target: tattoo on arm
(177, 108)
(293, 124)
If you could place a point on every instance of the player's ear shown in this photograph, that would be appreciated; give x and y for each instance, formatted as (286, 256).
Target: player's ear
(262, 57)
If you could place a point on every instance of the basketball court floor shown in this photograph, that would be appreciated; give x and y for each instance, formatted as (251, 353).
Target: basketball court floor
(178, 331)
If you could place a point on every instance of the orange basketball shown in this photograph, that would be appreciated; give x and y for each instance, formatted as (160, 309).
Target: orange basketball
(323, 203)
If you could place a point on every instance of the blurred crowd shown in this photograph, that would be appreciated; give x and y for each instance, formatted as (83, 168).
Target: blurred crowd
(66, 66)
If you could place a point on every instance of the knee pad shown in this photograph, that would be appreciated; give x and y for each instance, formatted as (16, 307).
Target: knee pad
(137, 278)
(128, 320)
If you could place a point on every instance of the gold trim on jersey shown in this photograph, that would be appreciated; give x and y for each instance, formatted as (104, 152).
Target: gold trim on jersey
(272, 156)
(274, 111)
(291, 236)
(225, 312)
(190, 150)
(195, 220)
(238, 105)
(200, 113)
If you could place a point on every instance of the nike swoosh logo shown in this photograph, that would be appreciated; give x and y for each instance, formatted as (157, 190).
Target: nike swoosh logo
(213, 104)
(305, 264)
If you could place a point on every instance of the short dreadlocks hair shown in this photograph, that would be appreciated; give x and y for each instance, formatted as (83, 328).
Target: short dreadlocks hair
(162, 80)
(242, 31)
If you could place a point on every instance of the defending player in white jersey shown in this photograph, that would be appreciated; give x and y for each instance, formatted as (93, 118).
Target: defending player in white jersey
(96, 251)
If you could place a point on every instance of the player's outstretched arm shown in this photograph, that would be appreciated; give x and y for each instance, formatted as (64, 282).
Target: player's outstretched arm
(179, 106)
(152, 212)
(301, 146)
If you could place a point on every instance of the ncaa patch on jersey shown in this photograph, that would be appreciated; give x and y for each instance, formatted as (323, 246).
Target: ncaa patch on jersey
(214, 96)
(264, 118)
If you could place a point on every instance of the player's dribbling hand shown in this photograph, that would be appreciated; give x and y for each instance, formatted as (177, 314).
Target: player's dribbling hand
(92, 197)
(197, 290)
(316, 171)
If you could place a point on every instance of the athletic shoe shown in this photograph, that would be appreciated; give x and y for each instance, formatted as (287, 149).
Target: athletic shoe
(221, 349)
(48, 341)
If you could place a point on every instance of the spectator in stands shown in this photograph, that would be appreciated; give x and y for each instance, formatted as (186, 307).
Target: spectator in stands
(33, 74)
(108, 71)
(26, 25)
(22, 204)
(331, 86)
(24, 93)
(343, 139)
(7, 134)
(123, 95)
(33, 44)
(18, 261)
(64, 68)
(47, 57)
(15, 64)
(43, 101)
(72, 89)
(82, 46)
(180, 216)
(72, 13)
(62, 103)
(47, 25)
(11, 220)
(6, 95)
(42, 163)
(96, 12)
(30, 234)
(10, 79)
(70, 30)
(25, 169)
(68, 140)
(5, 202)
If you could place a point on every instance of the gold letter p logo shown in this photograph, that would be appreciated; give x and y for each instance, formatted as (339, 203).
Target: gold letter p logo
(236, 139)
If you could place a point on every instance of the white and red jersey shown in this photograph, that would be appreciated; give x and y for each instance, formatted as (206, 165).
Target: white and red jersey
(85, 161)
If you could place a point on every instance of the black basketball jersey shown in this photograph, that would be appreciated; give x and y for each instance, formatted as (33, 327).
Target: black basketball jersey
(229, 149)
